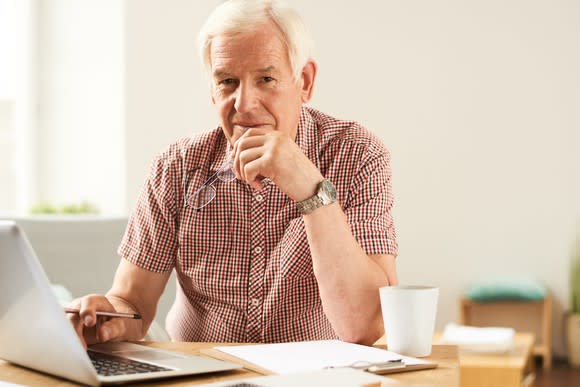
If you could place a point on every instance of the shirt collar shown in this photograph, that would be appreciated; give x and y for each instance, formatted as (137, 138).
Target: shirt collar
(307, 137)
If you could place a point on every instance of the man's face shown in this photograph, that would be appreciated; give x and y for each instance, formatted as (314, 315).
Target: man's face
(252, 83)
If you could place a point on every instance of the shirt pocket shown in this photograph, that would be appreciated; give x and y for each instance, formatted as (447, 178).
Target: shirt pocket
(295, 260)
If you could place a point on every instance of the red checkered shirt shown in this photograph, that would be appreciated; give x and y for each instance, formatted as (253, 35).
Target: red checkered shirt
(243, 262)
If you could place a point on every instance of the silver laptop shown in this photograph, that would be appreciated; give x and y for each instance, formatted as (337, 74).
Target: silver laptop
(35, 333)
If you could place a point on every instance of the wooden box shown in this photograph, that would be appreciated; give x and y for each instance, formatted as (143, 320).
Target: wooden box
(524, 316)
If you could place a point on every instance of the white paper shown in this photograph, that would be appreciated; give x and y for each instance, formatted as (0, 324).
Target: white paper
(6, 384)
(307, 356)
(488, 339)
(340, 377)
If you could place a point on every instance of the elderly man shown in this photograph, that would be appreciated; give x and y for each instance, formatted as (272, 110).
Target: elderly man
(277, 222)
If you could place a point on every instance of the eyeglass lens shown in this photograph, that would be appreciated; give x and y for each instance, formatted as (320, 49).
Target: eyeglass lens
(204, 195)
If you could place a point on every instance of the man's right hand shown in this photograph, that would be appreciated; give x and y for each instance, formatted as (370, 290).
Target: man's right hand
(91, 328)
(134, 290)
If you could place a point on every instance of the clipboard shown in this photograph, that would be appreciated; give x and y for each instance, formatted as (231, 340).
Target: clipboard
(217, 354)
(393, 364)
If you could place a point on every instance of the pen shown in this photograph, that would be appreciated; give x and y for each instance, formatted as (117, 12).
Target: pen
(134, 316)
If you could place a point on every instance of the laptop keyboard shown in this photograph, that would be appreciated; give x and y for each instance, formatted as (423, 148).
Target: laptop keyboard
(109, 365)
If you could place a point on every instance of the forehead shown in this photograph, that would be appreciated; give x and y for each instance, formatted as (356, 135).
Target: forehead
(254, 49)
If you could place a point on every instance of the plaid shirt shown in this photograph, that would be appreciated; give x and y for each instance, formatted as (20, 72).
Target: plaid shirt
(243, 262)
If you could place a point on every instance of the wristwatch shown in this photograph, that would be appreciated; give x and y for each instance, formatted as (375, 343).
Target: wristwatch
(325, 195)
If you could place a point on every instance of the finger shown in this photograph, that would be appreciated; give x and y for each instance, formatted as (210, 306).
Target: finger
(246, 157)
(110, 330)
(252, 173)
(252, 138)
(89, 305)
(233, 148)
(236, 160)
(76, 322)
(244, 146)
(251, 132)
(251, 135)
(79, 328)
(90, 333)
(250, 142)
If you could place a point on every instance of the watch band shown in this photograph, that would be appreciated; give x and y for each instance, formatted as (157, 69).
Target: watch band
(325, 195)
(309, 205)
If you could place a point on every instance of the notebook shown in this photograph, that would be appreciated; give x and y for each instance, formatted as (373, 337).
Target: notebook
(339, 377)
(35, 333)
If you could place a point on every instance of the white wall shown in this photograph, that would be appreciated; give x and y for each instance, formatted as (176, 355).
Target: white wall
(166, 95)
(81, 103)
(477, 101)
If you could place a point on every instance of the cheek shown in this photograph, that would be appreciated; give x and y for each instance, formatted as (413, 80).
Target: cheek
(224, 112)
(276, 102)
(223, 107)
(285, 104)
(219, 98)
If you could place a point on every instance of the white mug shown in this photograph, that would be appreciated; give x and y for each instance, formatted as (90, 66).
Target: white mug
(409, 316)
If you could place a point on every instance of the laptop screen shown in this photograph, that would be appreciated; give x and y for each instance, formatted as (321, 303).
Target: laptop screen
(34, 331)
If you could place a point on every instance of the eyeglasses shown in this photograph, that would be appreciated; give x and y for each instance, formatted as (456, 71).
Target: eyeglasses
(207, 192)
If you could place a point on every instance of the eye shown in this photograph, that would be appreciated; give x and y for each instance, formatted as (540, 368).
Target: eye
(267, 79)
(227, 82)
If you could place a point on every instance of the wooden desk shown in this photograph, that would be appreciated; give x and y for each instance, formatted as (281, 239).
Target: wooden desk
(447, 374)
(512, 369)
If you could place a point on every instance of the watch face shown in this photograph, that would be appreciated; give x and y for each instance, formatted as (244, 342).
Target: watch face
(327, 192)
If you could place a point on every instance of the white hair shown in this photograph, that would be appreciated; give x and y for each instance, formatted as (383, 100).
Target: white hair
(237, 16)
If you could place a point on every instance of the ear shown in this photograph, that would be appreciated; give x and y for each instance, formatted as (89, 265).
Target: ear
(308, 78)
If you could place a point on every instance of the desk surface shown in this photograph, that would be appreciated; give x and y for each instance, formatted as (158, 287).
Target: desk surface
(516, 358)
(446, 374)
(508, 369)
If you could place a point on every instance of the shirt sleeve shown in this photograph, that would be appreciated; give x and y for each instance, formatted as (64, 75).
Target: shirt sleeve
(150, 240)
(369, 204)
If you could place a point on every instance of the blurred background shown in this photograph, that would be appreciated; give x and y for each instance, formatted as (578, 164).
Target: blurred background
(478, 102)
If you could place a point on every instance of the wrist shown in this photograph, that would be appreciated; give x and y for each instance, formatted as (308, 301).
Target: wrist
(122, 305)
(307, 186)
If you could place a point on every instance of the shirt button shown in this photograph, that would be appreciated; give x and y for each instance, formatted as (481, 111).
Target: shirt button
(257, 250)
(255, 302)
(259, 197)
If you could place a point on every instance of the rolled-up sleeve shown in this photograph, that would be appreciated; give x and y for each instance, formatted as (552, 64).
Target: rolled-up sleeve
(150, 240)
(369, 204)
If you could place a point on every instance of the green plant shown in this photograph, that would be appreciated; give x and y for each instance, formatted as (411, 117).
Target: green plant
(45, 208)
(575, 278)
(82, 208)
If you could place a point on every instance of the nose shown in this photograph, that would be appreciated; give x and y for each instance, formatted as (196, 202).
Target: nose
(246, 98)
